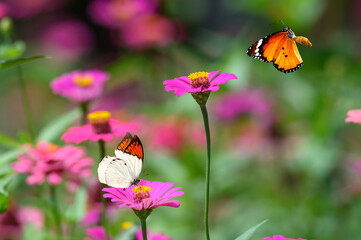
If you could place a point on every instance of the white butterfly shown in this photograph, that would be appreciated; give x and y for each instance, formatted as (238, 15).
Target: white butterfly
(124, 169)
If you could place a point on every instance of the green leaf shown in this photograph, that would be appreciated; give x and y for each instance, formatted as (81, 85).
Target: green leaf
(6, 157)
(55, 128)
(12, 51)
(4, 183)
(19, 61)
(127, 234)
(77, 210)
(248, 234)
(4, 201)
(8, 141)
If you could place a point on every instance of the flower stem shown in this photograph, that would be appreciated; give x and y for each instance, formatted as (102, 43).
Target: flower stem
(143, 223)
(84, 112)
(26, 104)
(104, 202)
(55, 207)
(208, 167)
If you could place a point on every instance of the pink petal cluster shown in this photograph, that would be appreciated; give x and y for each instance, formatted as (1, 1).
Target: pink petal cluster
(172, 134)
(280, 237)
(67, 39)
(96, 233)
(14, 219)
(150, 236)
(3, 10)
(48, 162)
(87, 133)
(66, 85)
(183, 84)
(160, 195)
(354, 116)
(115, 13)
(252, 102)
(148, 31)
(26, 8)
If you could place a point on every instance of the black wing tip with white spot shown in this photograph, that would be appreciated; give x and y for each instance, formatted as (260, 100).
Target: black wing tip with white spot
(288, 70)
(256, 51)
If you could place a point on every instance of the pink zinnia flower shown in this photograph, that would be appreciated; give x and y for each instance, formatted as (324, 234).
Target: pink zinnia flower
(155, 236)
(354, 116)
(52, 163)
(148, 31)
(26, 8)
(166, 134)
(146, 196)
(252, 102)
(80, 86)
(3, 10)
(113, 13)
(102, 127)
(96, 233)
(198, 82)
(67, 39)
(280, 237)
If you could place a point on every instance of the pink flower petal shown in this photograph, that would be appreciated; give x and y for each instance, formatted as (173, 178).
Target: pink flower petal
(222, 78)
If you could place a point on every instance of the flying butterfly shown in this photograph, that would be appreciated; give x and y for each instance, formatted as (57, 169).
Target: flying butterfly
(124, 169)
(280, 48)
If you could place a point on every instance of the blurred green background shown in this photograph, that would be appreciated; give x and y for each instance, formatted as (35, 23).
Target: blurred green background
(295, 170)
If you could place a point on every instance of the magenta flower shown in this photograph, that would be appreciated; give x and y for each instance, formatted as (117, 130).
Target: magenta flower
(114, 13)
(280, 237)
(26, 8)
(102, 127)
(52, 163)
(146, 196)
(96, 233)
(252, 102)
(3, 10)
(67, 39)
(148, 31)
(199, 84)
(155, 236)
(354, 116)
(80, 86)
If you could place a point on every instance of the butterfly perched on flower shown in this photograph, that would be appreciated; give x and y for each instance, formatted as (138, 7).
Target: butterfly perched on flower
(279, 48)
(124, 169)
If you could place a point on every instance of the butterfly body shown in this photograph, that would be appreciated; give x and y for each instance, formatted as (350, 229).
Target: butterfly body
(123, 169)
(279, 48)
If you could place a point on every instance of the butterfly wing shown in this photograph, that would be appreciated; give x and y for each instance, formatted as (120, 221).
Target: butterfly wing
(289, 59)
(114, 172)
(266, 48)
(279, 48)
(132, 153)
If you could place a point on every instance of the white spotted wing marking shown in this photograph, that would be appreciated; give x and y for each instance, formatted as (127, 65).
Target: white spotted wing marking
(256, 51)
(113, 172)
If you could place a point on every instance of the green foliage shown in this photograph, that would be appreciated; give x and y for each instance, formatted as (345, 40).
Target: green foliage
(249, 233)
(55, 128)
(18, 61)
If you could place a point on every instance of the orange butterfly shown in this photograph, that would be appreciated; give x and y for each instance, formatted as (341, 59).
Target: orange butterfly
(279, 48)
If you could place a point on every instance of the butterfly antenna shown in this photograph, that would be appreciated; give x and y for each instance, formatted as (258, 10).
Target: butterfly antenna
(283, 24)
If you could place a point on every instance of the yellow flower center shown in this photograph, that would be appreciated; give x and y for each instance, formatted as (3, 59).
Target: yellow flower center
(100, 121)
(199, 79)
(126, 225)
(83, 80)
(99, 117)
(52, 147)
(141, 192)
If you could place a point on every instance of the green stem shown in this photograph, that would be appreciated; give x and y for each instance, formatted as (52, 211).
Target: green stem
(143, 223)
(84, 111)
(104, 202)
(208, 167)
(56, 213)
(26, 104)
